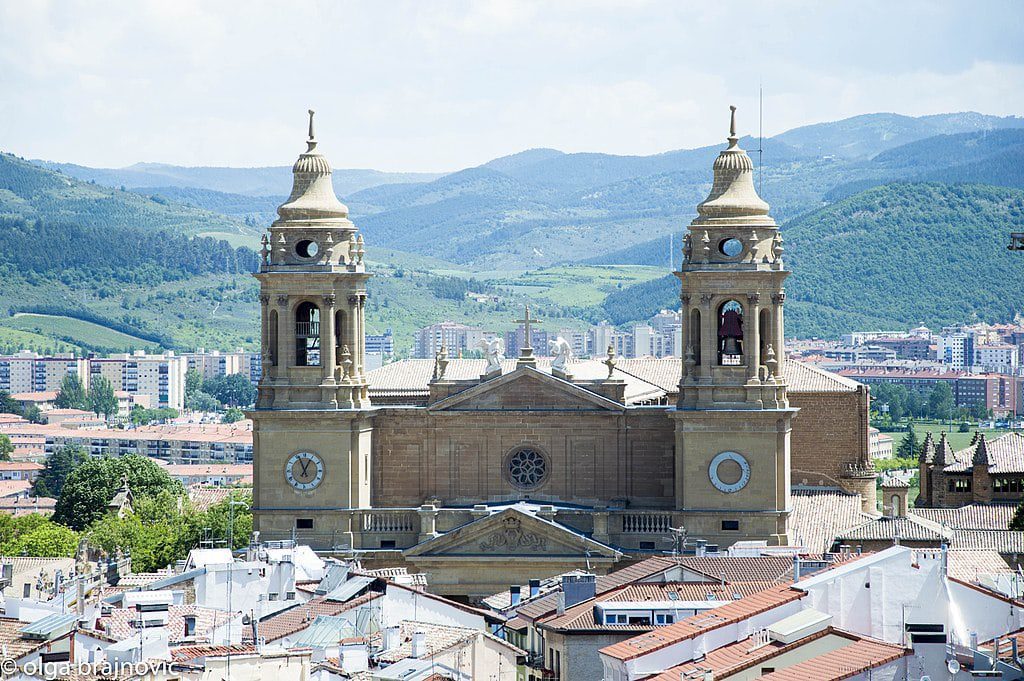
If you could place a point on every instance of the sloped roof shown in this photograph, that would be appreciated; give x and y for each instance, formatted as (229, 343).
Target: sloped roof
(118, 624)
(688, 628)
(842, 663)
(301, 616)
(909, 528)
(821, 514)
(971, 517)
(1002, 541)
(1005, 455)
(969, 564)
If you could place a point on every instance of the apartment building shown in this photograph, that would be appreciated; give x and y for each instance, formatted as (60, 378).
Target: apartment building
(162, 377)
(214, 363)
(28, 372)
(457, 338)
(1000, 358)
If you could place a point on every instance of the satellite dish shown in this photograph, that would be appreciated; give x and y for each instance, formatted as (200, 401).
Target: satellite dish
(953, 665)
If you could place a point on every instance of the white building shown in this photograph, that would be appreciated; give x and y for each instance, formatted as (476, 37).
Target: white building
(214, 363)
(1001, 358)
(162, 377)
(28, 372)
(457, 338)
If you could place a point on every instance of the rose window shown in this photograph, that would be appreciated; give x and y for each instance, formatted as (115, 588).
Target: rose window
(527, 468)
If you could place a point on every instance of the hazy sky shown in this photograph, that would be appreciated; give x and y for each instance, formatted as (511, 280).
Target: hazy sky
(433, 85)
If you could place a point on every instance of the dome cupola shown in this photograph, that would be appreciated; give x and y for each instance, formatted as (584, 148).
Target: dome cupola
(312, 196)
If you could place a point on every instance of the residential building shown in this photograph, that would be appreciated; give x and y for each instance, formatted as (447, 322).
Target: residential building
(28, 372)
(1001, 358)
(161, 377)
(955, 350)
(458, 339)
(214, 363)
(879, 444)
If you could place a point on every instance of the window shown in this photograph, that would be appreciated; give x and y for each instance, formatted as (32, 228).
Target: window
(303, 523)
(526, 468)
(307, 335)
(730, 334)
(959, 485)
(1008, 485)
(730, 525)
(616, 618)
(387, 543)
(731, 247)
(646, 546)
(664, 618)
(306, 249)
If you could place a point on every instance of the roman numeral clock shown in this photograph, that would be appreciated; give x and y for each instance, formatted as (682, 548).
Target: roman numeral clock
(304, 471)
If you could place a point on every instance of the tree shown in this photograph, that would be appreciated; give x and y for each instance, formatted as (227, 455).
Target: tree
(908, 447)
(235, 390)
(91, 486)
(160, 530)
(6, 448)
(8, 405)
(49, 540)
(58, 467)
(1017, 522)
(101, 397)
(232, 415)
(71, 394)
(940, 401)
(193, 386)
(33, 414)
(141, 416)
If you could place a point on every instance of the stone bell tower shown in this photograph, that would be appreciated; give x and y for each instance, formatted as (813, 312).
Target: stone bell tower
(733, 419)
(312, 420)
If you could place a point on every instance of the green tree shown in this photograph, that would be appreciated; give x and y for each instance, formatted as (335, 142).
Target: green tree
(49, 540)
(6, 447)
(235, 390)
(33, 414)
(193, 386)
(908, 447)
(58, 467)
(141, 416)
(232, 415)
(218, 518)
(160, 530)
(940, 401)
(1017, 522)
(8, 405)
(71, 394)
(101, 397)
(91, 486)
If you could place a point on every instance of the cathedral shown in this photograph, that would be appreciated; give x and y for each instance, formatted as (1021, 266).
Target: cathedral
(536, 466)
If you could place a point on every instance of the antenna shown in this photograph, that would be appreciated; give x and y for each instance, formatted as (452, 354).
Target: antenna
(671, 251)
(760, 140)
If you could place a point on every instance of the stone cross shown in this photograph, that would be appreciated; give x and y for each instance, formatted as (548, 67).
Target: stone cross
(526, 351)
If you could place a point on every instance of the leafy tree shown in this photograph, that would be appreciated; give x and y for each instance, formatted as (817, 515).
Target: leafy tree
(235, 390)
(58, 467)
(91, 486)
(232, 415)
(908, 448)
(141, 416)
(160, 530)
(1017, 522)
(6, 448)
(71, 394)
(49, 540)
(101, 397)
(8, 405)
(218, 518)
(193, 386)
(33, 414)
(940, 401)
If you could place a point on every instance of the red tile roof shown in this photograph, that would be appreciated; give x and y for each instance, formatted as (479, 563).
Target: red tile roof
(188, 653)
(691, 627)
(842, 663)
(298, 618)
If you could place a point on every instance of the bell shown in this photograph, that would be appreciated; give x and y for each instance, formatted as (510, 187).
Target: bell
(732, 346)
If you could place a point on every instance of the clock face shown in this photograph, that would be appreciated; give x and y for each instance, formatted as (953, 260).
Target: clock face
(304, 470)
(729, 472)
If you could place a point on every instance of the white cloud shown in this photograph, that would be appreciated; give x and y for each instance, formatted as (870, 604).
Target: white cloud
(441, 85)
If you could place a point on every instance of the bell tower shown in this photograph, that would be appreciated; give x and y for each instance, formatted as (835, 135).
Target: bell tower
(733, 419)
(312, 421)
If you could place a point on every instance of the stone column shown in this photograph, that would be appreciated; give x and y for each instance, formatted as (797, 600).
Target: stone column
(752, 336)
(601, 526)
(778, 332)
(285, 335)
(265, 334)
(350, 335)
(685, 313)
(327, 351)
(361, 336)
(428, 522)
(708, 331)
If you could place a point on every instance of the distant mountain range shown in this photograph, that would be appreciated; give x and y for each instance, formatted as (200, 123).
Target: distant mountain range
(849, 195)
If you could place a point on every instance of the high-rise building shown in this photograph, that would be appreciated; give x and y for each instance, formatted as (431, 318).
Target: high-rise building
(28, 372)
(458, 339)
(159, 377)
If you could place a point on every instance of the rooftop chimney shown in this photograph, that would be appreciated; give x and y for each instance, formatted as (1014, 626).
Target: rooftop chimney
(390, 638)
(578, 588)
(700, 547)
(419, 644)
(355, 657)
(561, 603)
(534, 588)
(515, 594)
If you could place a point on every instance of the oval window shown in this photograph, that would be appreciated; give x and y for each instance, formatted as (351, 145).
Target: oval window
(730, 248)
(306, 249)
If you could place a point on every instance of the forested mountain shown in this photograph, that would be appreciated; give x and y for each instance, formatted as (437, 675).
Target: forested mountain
(31, 192)
(892, 256)
(267, 181)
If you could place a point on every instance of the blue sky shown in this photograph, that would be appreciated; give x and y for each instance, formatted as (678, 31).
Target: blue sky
(436, 85)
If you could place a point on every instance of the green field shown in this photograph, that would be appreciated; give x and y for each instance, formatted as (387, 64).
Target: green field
(576, 285)
(956, 440)
(85, 334)
(16, 339)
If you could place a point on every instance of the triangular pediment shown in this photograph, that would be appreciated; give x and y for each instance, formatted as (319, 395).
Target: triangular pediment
(511, 532)
(527, 389)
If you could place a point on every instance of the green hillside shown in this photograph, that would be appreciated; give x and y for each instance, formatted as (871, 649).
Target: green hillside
(895, 255)
(28, 191)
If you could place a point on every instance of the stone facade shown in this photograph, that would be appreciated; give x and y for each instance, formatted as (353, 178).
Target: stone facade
(987, 471)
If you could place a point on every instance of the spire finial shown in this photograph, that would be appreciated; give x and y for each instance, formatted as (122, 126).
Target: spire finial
(733, 139)
(311, 135)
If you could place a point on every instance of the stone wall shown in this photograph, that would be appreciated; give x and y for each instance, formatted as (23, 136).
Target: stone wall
(829, 431)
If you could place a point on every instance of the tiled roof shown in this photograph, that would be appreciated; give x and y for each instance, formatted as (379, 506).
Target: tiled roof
(969, 564)
(581, 617)
(188, 653)
(227, 469)
(971, 517)
(295, 619)
(736, 657)
(1003, 541)
(21, 466)
(821, 514)
(539, 607)
(842, 663)
(646, 378)
(11, 487)
(203, 497)
(439, 637)
(10, 638)
(1005, 455)
(22, 505)
(691, 627)
(740, 568)
(119, 623)
(909, 527)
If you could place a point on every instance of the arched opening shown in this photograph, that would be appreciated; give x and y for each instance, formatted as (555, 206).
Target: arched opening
(693, 340)
(730, 334)
(272, 341)
(763, 328)
(897, 505)
(307, 335)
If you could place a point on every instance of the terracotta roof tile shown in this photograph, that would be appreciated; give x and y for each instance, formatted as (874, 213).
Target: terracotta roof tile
(691, 627)
(1005, 455)
(188, 653)
(295, 619)
(909, 527)
(971, 517)
(842, 663)
(969, 564)
(820, 514)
